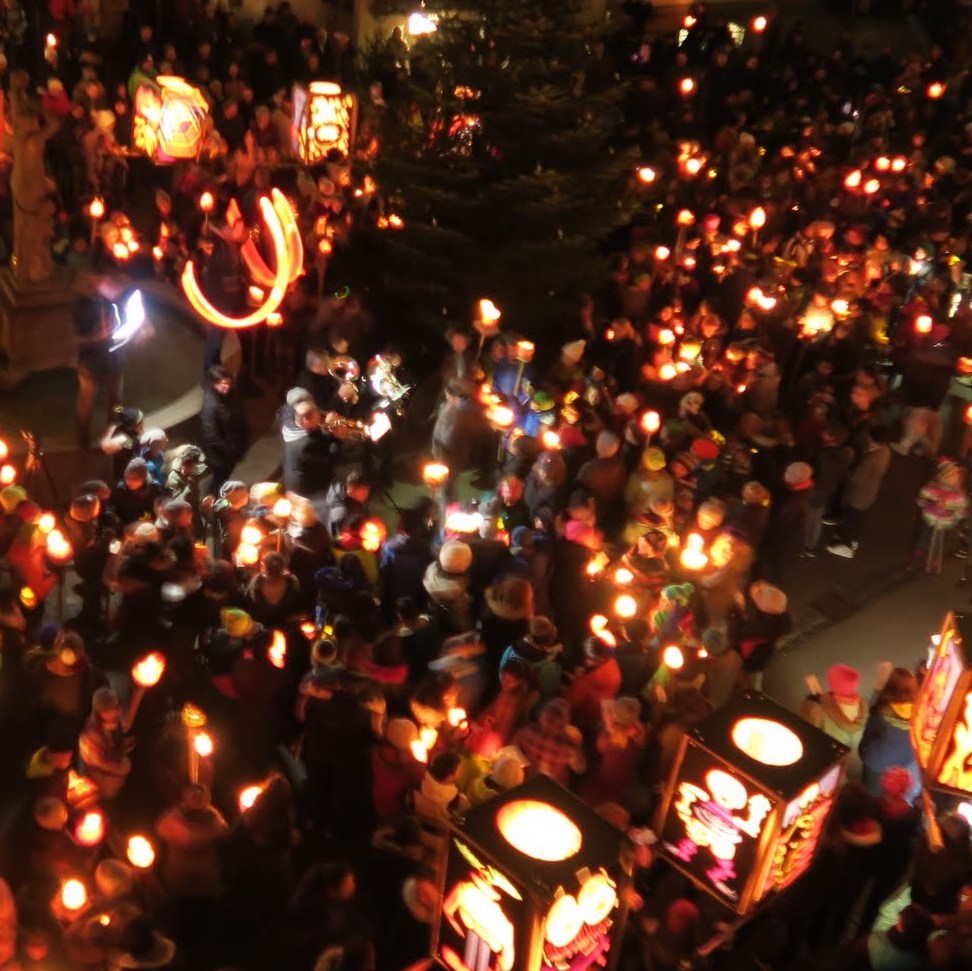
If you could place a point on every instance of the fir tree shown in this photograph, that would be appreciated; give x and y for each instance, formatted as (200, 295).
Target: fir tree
(512, 180)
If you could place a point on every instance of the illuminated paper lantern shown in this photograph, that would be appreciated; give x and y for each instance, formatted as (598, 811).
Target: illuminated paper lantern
(534, 880)
(325, 121)
(941, 725)
(746, 803)
(168, 118)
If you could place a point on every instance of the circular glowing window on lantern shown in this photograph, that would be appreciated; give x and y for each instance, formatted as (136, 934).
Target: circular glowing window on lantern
(767, 741)
(539, 831)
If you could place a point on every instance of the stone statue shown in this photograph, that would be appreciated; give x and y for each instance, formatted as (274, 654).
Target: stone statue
(30, 186)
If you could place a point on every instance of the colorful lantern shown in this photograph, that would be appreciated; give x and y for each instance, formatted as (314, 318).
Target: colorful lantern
(325, 121)
(747, 800)
(168, 121)
(534, 879)
(941, 726)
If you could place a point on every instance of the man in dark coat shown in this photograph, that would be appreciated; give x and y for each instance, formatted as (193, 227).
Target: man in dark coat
(307, 464)
(787, 534)
(403, 561)
(224, 433)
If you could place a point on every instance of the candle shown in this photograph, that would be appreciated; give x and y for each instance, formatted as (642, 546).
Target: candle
(140, 852)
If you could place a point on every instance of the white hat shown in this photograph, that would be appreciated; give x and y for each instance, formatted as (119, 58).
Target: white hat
(455, 556)
(573, 351)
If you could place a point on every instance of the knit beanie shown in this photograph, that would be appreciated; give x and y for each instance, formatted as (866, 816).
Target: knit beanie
(455, 556)
(236, 622)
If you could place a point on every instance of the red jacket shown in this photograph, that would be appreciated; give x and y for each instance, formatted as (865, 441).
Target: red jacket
(589, 689)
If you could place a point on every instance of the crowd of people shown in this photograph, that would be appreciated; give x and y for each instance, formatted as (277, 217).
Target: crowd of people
(242, 747)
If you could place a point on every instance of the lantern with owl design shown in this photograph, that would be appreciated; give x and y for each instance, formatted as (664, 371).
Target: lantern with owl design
(168, 119)
(324, 118)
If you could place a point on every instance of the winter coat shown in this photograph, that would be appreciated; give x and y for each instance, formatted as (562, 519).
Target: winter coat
(823, 712)
(864, 480)
(458, 433)
(307, 465)
(589, 689)
(542, 662)
(404, 560)
(192, 838)
(341, 508)
(130, 505)
(224, 433)
(886, 743)
(449, 592)
(436, 800)
(756, 633)
(393, 774)
(942, 506)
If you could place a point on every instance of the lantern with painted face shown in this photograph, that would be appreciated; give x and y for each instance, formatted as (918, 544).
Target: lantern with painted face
(533, 880)
(747, 799)
(325, 117)
(169, 118)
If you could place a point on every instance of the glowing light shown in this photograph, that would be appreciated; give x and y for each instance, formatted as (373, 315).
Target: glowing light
(650, 422)
(456, 717)
(373, 533)
(277, 651)
(487, 313)
(625, 606)
(419, 752)
(662, 253)
(192, 716)
(90, 829)
(501, 416)
(757, 218)
(247, 554)
(96, 208)
(853, 179)
(309, 629)
(148, 671)
(767, 741)
(255, 264)
(539, 830)
(434, 474)
(420, 23)
(549, 439)
(249, 796)
(935, 90)
(882, 163)
(759, 24)
(666, 337)
(129, 319)
(428, 736)
(523, 351)
(840, 306)
(51, 40)
(685, 217)
(667, 371)
(647, 174)
(207, 202)
(923, 324)
(597, 899)
(459, 521)
(689, 21)
(58, 548)
(252, 535)
(623, 575)
(203, 744)
(693, 166)
(74, 895)
(898, 164)
(686, 86)
(280, 246)
(673, 658)
(872, 186)
(28, 598)
(689, 350)
(140, 852)
(693, 555)
(596, 564)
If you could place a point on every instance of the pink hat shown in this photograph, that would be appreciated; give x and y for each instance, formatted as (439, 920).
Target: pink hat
(682, 916)
(896, 781)
(582, 533)
(843, 681)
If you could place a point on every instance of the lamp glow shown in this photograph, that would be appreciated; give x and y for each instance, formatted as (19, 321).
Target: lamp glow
(277, 651)
(249, 796)
(140, 852)
(434, 474)
(203, 744)
(539, 830)
(767, 741)
(625, 606)
(74, 895)
(148, 671)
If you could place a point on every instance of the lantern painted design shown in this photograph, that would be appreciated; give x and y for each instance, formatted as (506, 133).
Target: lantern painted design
(168, 120)
(533, 880)
(325, 121)
(941, 727)
(747, 800)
